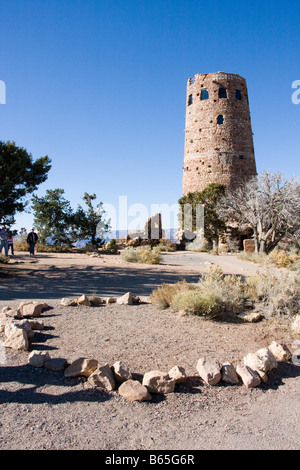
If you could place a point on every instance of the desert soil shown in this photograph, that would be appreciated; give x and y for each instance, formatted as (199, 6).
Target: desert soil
(41, 409)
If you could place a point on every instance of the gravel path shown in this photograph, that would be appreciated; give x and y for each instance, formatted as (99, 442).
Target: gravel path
(41, 409)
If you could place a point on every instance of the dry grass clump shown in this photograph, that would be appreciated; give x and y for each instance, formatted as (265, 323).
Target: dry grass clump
(202, 302)
(278, 294)
(20, 244)
(162, 297)
(279, 258)
(4, 259)
(218, 296)
(214, 296)
(141, 255)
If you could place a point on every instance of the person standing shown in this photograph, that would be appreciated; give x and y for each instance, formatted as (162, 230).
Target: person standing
(3, 240)
(31, 240)
(10, 243)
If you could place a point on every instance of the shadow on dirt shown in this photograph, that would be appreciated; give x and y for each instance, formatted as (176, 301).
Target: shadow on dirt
(45, 283)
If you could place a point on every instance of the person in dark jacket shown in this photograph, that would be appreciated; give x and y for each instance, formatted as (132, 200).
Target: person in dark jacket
(31, 240)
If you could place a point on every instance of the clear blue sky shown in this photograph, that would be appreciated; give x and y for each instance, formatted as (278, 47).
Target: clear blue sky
(100, 87)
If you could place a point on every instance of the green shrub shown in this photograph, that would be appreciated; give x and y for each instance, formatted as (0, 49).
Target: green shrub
(130, 255)
(278, 293)
(112, 246)
(204, 302)
(162, 297)
(149, 256)
(141, 255)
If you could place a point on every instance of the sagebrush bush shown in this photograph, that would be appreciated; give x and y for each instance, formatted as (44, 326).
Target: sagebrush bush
(130, 255)
(141, 255)
(278, 293)
(279, 258)
(203, 302)
(162, 297)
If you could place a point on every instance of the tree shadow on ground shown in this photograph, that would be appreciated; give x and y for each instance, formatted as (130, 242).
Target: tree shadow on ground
(45, 283)
(33, 379)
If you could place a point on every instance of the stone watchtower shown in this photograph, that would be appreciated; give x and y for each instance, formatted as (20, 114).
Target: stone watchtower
(218, 135)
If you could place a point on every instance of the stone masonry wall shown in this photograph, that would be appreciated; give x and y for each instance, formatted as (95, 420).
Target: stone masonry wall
(218, 135)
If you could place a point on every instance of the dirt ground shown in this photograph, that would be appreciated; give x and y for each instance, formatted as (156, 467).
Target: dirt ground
(41, 409)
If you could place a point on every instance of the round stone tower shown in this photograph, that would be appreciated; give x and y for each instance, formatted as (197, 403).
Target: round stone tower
(218, 135)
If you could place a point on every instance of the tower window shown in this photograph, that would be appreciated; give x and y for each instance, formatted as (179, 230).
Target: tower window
(204, 94)
(220, 119)
(222, 93)
(238, 95)
(241, 157)
(190, 100)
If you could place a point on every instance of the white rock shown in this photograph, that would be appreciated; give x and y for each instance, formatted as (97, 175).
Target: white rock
(81, 366)
(158, 382)
(83, 300)
(229, 374)
(31, 309)
(103, 378)
(133, 390)
(280, 351)
(126, 299)
(65, 302)
(178, 374)
(18, 340)
(249, 377)
(209, 370)
(121, 372)
(38, 358)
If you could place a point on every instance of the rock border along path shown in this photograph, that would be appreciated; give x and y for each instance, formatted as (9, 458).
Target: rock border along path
(19, 324)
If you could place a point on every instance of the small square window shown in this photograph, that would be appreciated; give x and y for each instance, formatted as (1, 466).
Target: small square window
(222, 93)
(238, 95)
(241, 157)
(204, 94)
(220, 119)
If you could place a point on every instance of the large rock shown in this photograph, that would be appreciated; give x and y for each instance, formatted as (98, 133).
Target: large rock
(13, 325)
(126, 299)
(178, 374)
(57, 364)
(103, 378)
(158, 382)
(38, 358)
(229, 374)
(209, 370)
(36, 324)
(18, 340)
(249, 377)
(280, 351)
(83, 300)
(81, 366)
(251, 317)
(110, 300)
(268, 358)
(262, 360)
(121, 372)
(65, 302)
(133, 390)
(96, 301)
(31, 309)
